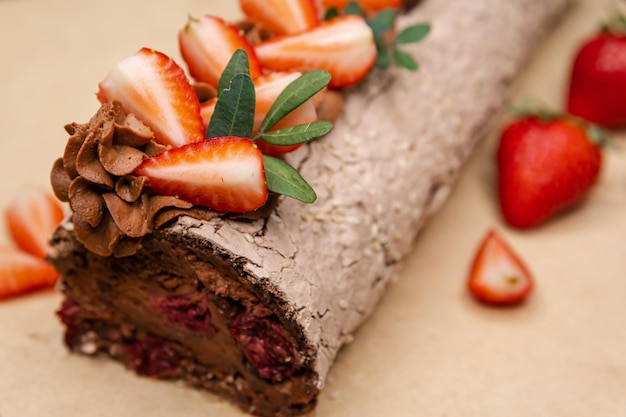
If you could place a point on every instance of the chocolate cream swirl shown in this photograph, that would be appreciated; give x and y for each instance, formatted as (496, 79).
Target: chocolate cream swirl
(112, 209)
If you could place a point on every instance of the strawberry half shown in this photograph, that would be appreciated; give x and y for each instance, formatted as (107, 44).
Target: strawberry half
(344, 46)
(31, 219)
(207, 44)
(497, 275)
(21, 272)
(225, 174)
(282, 17)
(152, 86)
(267, 88)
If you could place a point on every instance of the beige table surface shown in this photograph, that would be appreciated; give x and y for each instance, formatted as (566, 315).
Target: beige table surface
(429, 350)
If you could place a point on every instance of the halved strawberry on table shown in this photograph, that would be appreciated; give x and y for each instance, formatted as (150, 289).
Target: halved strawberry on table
(267, 88)
(282, 17)
(207, 43)
(344, 46)
(21, 272)
(156, 90)
(497, 275)
(31, 219)
(224, 173)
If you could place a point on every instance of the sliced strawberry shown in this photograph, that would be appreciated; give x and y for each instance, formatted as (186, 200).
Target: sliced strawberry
(31, 219)
(282, 17)
(344, 46)
(225, 174)
(498, 276)
(207, 44)
(21, 272)
(267, 89)
(153, 87)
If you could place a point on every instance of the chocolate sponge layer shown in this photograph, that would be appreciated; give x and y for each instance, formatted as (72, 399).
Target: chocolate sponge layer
(258, 310)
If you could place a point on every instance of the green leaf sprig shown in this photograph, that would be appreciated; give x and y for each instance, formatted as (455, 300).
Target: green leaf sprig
(387, 42)
(234, 116)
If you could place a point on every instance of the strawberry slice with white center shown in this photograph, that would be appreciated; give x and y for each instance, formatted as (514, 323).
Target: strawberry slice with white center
(225, 174)
(282, 17)
(31, 218)
(267, 88)
(344, 46)
(21, 272)
(498, 276)
(207, 44)
(154, 88)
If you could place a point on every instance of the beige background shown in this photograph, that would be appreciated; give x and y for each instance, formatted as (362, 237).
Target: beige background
(429, 350)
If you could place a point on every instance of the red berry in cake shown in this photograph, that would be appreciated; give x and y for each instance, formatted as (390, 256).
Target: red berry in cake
(207, 44)
(225, 174)
(344, 46)
(267, 88)
(31, 218)
(597, 89)
(151, 356)
(156, 90)
(68, 313)
(545, 166)
(265, 344)
(282, 17)
(497, 275)
(21, 272)
(194, 316)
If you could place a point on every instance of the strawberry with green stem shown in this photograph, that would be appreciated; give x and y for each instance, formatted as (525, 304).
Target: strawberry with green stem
(547, 164)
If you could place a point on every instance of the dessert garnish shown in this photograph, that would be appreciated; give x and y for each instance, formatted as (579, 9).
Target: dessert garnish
(498, 276)
(160, 147)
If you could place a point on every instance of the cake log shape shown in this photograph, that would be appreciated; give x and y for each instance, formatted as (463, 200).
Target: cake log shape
(319, 270)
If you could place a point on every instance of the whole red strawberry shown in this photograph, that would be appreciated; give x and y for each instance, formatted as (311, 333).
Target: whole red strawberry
(545, 166)
(597, 90)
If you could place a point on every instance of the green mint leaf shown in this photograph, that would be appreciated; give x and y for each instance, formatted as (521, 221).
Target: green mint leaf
(238, 64)
(294, 135)
(296, 93)
(234, 110)
(382, 23)
(405, 60)
(383, 59)
(284, 179)
(412, 34)
(331, 13)
(353, 8)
